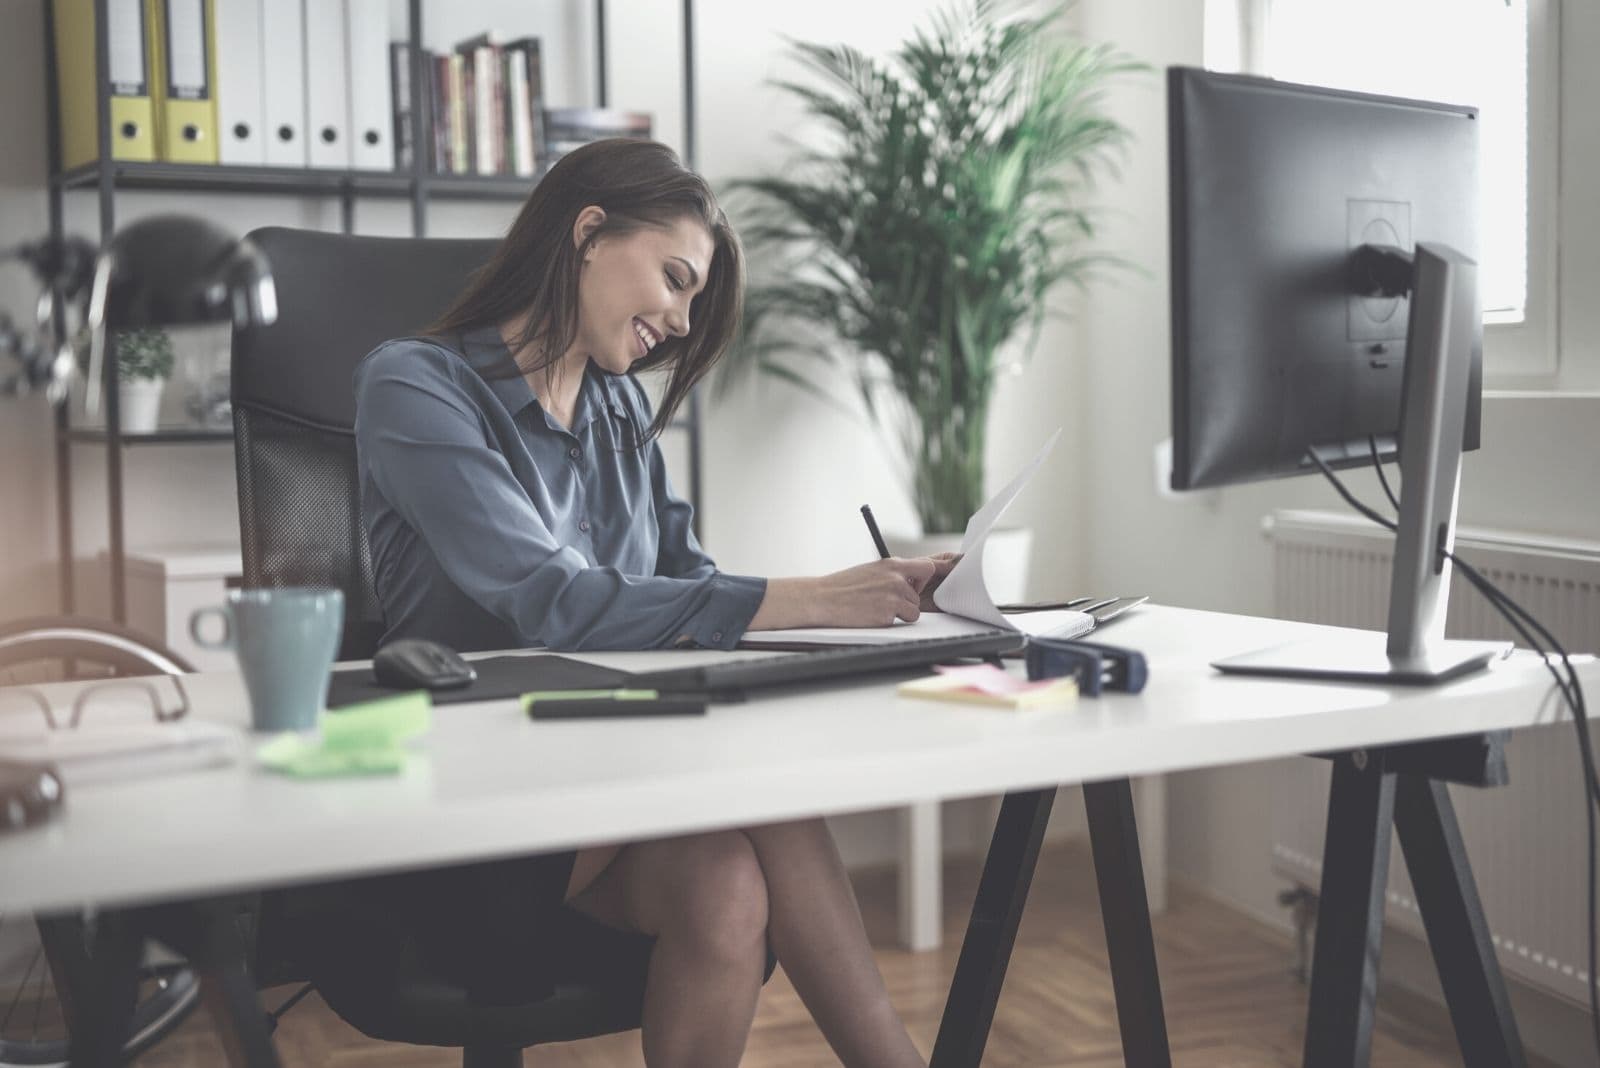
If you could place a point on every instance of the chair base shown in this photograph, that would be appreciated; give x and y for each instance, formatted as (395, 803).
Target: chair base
(491, 1057)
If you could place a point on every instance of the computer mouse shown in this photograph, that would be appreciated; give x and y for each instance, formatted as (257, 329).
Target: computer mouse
(416, 663)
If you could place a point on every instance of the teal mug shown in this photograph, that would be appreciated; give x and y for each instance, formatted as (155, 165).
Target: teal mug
(285, 640)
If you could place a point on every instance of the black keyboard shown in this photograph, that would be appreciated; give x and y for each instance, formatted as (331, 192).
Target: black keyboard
(733, 678)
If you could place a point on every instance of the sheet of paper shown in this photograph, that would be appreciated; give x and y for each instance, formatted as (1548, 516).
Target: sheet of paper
(1054, 623)
(962, 592)
(965, 605)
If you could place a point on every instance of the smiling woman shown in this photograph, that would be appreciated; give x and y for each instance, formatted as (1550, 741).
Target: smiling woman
(631, 223)
(513, 495)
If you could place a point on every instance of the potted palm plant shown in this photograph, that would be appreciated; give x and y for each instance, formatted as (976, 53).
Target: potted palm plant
(144, 363)
(947, 200)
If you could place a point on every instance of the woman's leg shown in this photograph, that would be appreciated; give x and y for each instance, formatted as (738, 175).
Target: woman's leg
(705, 901)
(816, 931)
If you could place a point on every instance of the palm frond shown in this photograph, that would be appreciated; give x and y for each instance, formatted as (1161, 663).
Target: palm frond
(946, 199)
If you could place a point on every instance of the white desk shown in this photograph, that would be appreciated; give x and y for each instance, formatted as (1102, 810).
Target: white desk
(488, 782)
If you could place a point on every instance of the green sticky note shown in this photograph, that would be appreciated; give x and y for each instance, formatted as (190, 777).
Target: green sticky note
(382, 723)
(528, 699)
(364, 739)
(300, 758)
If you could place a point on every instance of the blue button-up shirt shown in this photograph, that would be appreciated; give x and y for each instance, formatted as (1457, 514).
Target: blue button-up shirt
(492, 526)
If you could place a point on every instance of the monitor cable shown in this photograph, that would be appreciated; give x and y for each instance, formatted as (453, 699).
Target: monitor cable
(1550, 652)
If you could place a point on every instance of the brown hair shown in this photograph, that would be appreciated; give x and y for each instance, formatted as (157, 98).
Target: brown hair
(535, 270)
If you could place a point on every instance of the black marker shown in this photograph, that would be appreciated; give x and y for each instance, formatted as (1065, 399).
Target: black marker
(872, 528)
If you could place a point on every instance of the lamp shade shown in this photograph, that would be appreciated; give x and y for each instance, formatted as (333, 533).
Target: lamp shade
(171, 270)
(174, 270)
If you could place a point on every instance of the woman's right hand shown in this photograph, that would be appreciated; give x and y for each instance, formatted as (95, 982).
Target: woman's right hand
(873, 594)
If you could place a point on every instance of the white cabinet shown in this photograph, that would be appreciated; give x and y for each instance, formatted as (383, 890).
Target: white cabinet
(167, 583)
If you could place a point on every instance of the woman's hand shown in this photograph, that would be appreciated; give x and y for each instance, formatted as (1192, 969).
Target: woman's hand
(868, 595)
(943, 563)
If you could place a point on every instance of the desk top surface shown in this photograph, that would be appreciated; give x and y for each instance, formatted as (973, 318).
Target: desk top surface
(488, 782)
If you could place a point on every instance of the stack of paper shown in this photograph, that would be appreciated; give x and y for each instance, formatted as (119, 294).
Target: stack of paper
(109, 752)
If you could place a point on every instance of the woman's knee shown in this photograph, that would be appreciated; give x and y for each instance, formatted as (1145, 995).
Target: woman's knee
(720, 892)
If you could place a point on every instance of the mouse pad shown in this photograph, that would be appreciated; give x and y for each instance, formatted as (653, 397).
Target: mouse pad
(498, 677)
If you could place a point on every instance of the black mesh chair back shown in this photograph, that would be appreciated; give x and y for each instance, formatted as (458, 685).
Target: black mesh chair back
(339, 296)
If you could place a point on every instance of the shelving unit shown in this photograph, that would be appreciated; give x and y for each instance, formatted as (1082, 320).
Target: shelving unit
(105, 177)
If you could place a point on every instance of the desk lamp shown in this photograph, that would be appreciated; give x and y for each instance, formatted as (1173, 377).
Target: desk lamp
(174, 270)
(167, 270)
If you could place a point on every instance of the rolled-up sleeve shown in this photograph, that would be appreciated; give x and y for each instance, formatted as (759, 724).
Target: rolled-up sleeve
(425, 444)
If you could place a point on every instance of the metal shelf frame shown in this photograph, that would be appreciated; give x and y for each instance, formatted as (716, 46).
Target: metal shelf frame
(105, 177)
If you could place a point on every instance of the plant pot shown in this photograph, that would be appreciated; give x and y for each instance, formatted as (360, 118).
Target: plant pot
(1005, 557)
(139, 404)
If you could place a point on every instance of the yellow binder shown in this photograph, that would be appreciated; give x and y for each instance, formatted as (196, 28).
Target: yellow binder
(183, 77)
(132, 117)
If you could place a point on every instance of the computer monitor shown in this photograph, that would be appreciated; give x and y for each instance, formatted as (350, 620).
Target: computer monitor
(1324, 298)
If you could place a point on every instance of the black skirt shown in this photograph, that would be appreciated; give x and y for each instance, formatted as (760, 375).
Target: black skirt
(499, 930)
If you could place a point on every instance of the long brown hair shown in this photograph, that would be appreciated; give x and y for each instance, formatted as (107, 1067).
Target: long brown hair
(535, 269)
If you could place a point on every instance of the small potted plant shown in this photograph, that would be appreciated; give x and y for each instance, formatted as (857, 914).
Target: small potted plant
(144, 363)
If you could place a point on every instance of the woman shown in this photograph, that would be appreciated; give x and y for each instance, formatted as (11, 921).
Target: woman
(514, 495)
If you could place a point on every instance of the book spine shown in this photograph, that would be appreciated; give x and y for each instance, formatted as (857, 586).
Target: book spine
(521, 115)
(443, 162)
(460, 132)
(503, 138)
(483, 101)
(400, 90)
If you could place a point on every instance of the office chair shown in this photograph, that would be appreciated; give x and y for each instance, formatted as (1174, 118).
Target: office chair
(339, 296)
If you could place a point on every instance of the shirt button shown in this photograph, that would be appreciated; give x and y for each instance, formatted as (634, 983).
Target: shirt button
(583, 525)
(574, 452)
(716, 635)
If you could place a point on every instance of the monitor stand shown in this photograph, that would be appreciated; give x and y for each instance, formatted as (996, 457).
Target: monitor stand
(1438, 374)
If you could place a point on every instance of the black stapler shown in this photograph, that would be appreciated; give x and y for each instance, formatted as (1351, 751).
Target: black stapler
(1096, 667)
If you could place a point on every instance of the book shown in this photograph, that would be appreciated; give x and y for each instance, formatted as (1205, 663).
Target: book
(132, 116)
(485, 103)
(438, 125)
(400, 95)
(528, 104)
(459, 128)
(568, 128)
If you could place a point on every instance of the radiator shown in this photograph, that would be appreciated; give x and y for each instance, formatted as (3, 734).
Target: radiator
(1526, 841)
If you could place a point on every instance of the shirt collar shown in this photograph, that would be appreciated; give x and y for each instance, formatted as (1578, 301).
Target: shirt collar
(486, 353)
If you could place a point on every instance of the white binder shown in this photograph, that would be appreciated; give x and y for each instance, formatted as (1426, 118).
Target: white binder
(371, 116)
(283, 82)
(240, 113)
(327, 89)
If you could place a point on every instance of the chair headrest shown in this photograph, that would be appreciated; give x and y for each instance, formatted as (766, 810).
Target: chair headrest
(339, 297)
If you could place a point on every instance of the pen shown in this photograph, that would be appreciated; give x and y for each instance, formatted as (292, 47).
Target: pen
(872, 528)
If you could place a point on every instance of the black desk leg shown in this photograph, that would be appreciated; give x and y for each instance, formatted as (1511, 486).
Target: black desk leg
(992, 930)
(1125, 911)
(1474, 989)
(1355, 871)
(96, 968)
(218, 945)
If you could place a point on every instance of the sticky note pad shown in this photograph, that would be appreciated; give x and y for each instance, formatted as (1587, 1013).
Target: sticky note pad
(363, 739)
(982, 689)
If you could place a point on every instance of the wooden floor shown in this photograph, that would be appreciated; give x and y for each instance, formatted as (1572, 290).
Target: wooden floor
(1230, 997)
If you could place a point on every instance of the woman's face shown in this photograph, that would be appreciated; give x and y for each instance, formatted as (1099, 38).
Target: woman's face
(636, 288)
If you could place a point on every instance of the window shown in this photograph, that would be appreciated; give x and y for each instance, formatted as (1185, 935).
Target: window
(1478, 52)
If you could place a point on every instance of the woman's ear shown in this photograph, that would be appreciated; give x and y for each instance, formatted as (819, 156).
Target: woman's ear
(588, 220)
